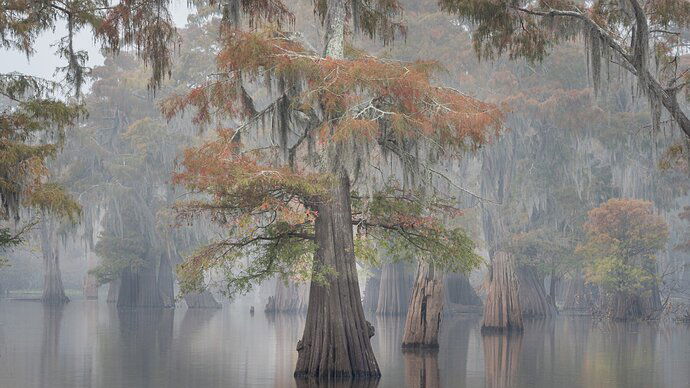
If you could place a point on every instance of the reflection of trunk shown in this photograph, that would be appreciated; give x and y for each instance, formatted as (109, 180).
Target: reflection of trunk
(288, 298)
(426, 308)
(502, 309)
(150, 285)
(113, 291)
(459, 291)
(201, 300)
(394, 291)
(50, 361)
(90, 282)
(421, 369)
(53, 291)
(532, 294)
(336, 340)
(371, 290)
(578, 295)
(501, 359)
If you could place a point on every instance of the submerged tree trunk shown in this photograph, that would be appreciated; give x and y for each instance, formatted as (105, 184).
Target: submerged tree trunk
(201, 300)
(53, 290)
(459, 295)
(532, 295)
(371, 291)
(288, 298)
(336, 340)
(553, 287)
(578, 295)
(502, 310)
(423, 321)
(90, 282)
(394, 290)
(150, 285)
(113, 291)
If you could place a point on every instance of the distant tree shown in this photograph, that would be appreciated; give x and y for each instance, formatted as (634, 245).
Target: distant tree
(623, 237)
(35, 113)
(644, 39)
(291, 182)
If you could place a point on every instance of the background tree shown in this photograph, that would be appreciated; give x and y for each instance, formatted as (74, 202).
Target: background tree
(644, 40)
(623, 238)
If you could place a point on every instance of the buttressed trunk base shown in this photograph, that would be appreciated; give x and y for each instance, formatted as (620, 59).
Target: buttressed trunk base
(423, 321)
(502, 310)
(336, 341)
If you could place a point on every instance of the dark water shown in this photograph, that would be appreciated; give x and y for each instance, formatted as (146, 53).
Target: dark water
(87, 344)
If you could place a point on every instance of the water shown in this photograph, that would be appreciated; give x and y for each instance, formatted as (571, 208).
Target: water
(87, 344)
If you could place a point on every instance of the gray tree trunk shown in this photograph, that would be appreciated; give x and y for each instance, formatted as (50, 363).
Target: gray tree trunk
(394, 290)
(423, 321)
(336, 339)
(371, 291)
(53, 290)
(90, 282)
(288, 298)
(533, 299)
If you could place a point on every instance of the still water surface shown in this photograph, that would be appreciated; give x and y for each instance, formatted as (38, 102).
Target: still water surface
(90, 344)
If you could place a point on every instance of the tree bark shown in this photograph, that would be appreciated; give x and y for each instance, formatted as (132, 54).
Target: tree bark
(113, 291)
(578, 295)
(288, 298)
(201, 300)
(336, 339)
(502, 311)
(53, 290)
(532, 295)
(423, 321)
(459, 291)
(151, 285)
(394, 291)
(90, 282)
(371, 291)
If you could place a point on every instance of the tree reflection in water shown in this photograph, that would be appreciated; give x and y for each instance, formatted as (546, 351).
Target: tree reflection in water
(501, 358)
(421, 368)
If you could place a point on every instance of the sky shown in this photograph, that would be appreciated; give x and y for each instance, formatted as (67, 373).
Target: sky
(44, 61)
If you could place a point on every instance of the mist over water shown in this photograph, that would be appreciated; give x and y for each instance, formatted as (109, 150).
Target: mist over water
(92, 344)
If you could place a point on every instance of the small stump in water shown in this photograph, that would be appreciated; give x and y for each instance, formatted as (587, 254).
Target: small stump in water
(426, 308)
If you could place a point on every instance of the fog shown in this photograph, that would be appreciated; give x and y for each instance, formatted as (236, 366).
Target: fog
(344, 193)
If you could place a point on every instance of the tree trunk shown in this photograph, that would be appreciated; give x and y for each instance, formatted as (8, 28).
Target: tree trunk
(288, 298)
(459, 295)
(53, 290)
(201, 300)
(578, 295)
(90, 282)
(532, 295)
(553, 286)
(394, 291)
(502, 310)
(113, 291)
(423, 321)
(336, 340)
(151, 285)
(371, 291)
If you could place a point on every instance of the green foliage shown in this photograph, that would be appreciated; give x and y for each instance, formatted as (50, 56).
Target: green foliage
(623, 237)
